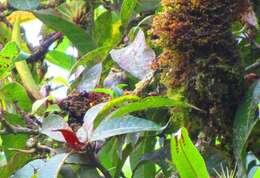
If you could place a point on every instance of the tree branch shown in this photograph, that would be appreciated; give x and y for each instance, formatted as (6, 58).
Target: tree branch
(43, 49)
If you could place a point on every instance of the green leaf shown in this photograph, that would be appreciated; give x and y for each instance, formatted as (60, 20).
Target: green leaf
(126, 124)
(111, 104)
(92, 58)
(108, 155)
(14, 92)
(29, 169)
(186, 157)
(89, 78)
(147, 169)
(24, 4)
(7, 58)
(13, 140)
(17, 161)
(147, 103)
(86, 130)
(245, 119)
(76, 35)
(61, 59)
(54, 122)
(52, 167)
(127, 11)
(106, 29)
(87, 172)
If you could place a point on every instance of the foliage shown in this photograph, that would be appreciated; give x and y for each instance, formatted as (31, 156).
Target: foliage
(131, 88)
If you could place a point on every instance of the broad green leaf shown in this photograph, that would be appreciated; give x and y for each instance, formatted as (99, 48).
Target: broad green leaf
(24, 4)
(76, 35)
(136, 58)
(6, 66)
(54, 122)
(89, 78)
(7, 58)
(52, 167)
(61, 80)
(126, 124)
(245, 119)
(106, 29)
(111, 104)
(126, 11)
(21, 66)
(108, 155)
(147, 103)
(60, 59)
(14, 92)
(186, 157)
(29, 169)
(92, 58)
(10, 50)
(147, 169)
(257, 173)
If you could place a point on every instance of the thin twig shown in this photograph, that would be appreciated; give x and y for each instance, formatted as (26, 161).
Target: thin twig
(253, 66)
(9, 128)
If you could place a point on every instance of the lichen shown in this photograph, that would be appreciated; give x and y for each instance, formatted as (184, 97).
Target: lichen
(200, 60)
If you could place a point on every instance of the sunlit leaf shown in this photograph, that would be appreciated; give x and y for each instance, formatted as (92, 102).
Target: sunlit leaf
(136, 58)
(76, 35)
(147, 103)
(126, 11)
(126, 124)
(111, 104)
(106, 29)
(60, 59)
(14, 92)
(186, 157)
(92, 58)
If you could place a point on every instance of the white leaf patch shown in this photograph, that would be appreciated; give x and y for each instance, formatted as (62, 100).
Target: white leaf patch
(136, 58)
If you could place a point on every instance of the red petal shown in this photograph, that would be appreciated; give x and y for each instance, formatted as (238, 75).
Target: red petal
(71, 139)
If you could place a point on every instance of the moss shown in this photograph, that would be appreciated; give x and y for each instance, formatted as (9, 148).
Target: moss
(200, 60)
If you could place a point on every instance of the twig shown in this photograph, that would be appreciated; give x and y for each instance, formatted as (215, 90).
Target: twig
(39, 55)
(29, 151)
(27, 118)
(253, 66)
(9, 128)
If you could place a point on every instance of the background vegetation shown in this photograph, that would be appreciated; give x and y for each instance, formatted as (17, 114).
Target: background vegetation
(129, 88)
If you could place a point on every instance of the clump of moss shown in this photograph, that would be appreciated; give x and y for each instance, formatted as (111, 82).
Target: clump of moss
(200, 60)
(77, 104)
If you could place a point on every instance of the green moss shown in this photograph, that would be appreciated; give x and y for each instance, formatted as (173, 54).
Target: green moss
(200, 60)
